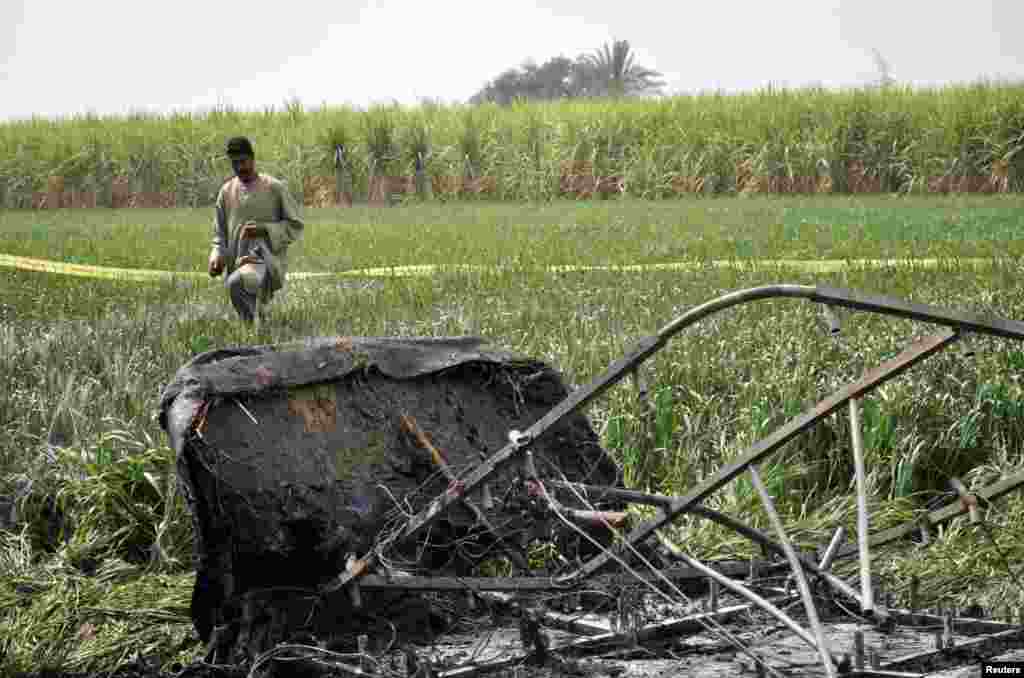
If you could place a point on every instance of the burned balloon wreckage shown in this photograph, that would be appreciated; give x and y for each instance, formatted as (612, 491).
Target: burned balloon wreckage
(332, 483)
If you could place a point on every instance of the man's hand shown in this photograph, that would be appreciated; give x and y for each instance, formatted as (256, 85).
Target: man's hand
(216, 266)
(251, 230)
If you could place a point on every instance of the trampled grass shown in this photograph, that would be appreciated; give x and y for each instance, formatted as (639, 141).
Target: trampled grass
(82, 361)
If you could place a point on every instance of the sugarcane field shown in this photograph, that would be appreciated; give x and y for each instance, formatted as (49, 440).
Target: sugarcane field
(575, 378)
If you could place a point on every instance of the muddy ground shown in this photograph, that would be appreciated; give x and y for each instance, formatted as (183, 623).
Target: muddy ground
(485, 639)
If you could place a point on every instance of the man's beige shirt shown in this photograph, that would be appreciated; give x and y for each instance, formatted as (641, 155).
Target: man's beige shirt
(266, 202)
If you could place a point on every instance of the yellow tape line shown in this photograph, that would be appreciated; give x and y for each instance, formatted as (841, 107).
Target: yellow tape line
(803, 265)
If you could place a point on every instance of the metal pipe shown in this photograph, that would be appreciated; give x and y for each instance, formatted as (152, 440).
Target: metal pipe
(647, 346)
(758, 537)
(641, 385)
(743, 591)
(798, 573)
(960, 320)
(723, 302)
(833, 548)
(410, 425)
(754, 535)
(967, 499)
(987, 494)
(967, 348)
(864, 552)
(831, 319)
(766, 446)
(616, 519)
(614, 493)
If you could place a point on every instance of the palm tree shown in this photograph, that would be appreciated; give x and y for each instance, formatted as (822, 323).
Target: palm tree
(885, 78)
(615, 69)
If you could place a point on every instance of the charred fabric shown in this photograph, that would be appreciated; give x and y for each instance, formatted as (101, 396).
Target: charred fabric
(296, 459)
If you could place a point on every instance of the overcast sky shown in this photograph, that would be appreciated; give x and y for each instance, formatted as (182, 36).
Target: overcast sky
(61, 57)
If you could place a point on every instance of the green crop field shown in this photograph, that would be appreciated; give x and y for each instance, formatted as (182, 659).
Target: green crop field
(899, 138)
(616, 232)
(82, 361)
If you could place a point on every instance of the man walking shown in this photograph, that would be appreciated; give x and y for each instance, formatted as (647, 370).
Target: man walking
(256, 220)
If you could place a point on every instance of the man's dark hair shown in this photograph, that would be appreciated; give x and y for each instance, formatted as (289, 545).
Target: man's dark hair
(238, 146)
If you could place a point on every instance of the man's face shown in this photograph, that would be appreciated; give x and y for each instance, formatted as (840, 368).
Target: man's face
(244, 166)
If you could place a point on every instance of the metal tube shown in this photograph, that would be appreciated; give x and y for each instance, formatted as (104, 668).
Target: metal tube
(616, 519)
(864, 553)
(647, 346)
(613, 493)
(833, 548)
(798, 573)
(766, 446)
(831, 319)
(641, 385)
(960, 320)
(858, 650)
(756, 536)
(413, 428)
(967, 348)
(698, 313)
(987, 494)
(741, 590)
(926, 530)
(967, 499)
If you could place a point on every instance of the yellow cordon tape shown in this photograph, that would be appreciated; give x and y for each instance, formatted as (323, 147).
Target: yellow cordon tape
(803, 265)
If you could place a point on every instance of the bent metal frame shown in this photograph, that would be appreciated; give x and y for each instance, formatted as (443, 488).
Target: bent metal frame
(361, 572)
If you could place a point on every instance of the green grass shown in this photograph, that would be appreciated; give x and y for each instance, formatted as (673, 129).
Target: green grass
(620, 232)
(960, 224)
(82, 361)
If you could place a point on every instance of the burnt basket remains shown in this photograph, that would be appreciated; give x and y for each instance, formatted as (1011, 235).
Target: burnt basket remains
(333, 483)
(295, 459)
